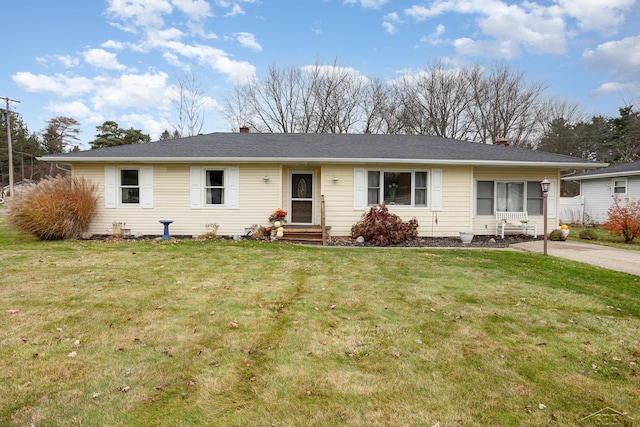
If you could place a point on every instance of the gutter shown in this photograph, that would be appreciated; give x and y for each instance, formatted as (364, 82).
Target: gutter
(602, 175)
(294, 160)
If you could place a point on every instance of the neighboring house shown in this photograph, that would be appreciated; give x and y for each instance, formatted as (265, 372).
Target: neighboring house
(598, 187)
(238, 179)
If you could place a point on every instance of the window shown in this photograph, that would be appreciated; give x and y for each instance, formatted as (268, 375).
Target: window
(510, 196)
(373, 188)
(484, 198)
(129, 186)
(214, 187)
(620, 186)
(421, 189)
(397, 188)
(535, 202)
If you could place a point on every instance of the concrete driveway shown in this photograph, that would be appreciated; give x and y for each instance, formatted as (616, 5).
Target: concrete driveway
(627, 261)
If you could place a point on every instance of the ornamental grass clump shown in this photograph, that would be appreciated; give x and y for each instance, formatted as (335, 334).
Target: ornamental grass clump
(55, 208)
(383, 228)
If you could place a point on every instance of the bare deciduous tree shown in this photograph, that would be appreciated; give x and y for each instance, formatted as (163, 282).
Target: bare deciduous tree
(505, 105)
(190, 103)
(462, 103)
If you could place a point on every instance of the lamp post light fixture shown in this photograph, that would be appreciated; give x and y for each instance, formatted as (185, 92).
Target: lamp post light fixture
(545, 194)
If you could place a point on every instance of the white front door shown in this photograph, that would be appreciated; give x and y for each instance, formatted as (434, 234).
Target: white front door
(301, 201)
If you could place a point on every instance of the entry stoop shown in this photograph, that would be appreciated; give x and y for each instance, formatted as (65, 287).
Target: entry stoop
(304, 233)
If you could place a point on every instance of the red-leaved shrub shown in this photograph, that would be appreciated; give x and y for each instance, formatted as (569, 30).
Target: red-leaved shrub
(383, 228)
(624, 218)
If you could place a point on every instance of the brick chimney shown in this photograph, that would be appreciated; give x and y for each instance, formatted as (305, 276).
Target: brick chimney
(504, 142)
(244, 129)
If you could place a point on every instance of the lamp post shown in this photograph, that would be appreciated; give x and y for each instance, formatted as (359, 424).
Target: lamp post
(545, 194)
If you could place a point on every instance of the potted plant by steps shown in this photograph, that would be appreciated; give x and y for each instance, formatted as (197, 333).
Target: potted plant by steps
(466, 237)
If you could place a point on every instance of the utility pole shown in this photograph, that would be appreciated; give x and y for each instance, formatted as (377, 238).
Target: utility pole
(9, 147)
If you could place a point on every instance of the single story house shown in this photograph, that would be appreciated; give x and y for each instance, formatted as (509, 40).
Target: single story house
(597, 188)
(236, 180)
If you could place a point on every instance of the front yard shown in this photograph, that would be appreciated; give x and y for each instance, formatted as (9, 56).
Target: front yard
(242, 333)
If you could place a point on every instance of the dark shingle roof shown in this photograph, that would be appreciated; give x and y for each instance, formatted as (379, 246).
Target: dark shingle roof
(312, 147)
(626, 169)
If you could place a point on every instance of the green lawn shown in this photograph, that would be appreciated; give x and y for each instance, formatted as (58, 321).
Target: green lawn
(605, 238)
(256, 334)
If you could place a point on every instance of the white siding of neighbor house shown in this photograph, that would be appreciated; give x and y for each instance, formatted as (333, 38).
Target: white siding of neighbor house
(486, 224)
(174, 196)
(598, 195)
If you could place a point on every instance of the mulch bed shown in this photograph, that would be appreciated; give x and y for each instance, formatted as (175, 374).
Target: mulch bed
(489, 242)
(443, 242)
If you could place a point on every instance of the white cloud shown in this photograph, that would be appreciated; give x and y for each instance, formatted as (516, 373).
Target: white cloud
(537, 27)
(621, 54)
(75, 109)
(59, 84)
(530, 26)
(215, 58)
(134, 14)
(235, 11)
(390, 22)
(622, 59)
(248, 40)
(617, 88)
(102, 59)
(389, 27)
(195, 9)
(172, 59)
(68, 61)
(434, 38)
(328, 70)
(371, 4)
(157, 38)
(597, 15)
(149, 123)
(130, 91)
(487, 48)
(113, 44)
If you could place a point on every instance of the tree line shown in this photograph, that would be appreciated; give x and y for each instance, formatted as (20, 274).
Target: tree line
(59, 136)
(473, 103)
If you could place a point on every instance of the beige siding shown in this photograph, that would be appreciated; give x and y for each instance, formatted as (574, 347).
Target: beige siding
(171, 201)
(259, 197)
(486, 224)
(454, 217)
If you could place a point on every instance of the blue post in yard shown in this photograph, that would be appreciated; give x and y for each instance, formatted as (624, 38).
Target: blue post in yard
(166, 223)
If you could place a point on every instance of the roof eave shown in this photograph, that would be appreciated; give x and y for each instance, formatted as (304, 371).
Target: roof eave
(450, 162)
(602, 175)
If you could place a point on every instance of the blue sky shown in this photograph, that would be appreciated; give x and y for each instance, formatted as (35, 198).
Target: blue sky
(120, 59)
